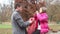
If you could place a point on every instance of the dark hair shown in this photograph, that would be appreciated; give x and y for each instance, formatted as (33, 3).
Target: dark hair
(17, 5)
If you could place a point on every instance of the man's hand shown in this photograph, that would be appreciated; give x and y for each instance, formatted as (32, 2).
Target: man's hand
(31, 20)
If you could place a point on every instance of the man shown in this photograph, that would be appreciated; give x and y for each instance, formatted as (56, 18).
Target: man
(18, 25)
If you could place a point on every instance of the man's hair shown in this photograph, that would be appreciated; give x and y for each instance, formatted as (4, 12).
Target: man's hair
(17, 5)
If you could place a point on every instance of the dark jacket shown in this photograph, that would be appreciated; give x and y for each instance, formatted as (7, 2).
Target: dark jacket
(18, 25)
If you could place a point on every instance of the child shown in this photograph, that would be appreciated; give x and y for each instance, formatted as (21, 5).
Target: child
(43, 18)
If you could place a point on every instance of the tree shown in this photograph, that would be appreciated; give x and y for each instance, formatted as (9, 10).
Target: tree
(53, 12)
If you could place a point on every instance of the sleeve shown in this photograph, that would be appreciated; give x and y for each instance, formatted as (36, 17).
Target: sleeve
(20, 21)
(42, 17)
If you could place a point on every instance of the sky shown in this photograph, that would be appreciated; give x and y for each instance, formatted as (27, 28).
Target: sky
(4, 1)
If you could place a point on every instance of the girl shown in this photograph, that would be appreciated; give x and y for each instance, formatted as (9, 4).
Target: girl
(43, 18)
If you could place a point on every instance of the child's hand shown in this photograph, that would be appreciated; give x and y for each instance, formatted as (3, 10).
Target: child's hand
(37, 12)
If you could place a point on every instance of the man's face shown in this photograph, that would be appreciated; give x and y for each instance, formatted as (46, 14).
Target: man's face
(20, 8)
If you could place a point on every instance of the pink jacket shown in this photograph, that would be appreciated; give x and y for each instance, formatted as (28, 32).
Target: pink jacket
(43, 17)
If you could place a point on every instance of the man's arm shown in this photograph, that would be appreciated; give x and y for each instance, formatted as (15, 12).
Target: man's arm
(20, 21)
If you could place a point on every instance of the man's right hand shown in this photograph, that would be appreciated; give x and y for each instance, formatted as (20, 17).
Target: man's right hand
(31, 20)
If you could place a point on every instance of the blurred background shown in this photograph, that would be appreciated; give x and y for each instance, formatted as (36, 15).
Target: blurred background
(7, 8)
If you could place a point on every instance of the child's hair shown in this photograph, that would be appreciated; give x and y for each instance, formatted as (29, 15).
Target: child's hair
(43, 9)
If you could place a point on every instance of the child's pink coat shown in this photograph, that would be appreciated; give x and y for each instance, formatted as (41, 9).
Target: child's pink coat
(43, 17)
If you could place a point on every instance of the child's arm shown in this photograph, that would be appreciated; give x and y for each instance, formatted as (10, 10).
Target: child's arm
(42, 17)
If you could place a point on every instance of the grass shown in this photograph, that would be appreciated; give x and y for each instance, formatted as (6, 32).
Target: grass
(54, 27)
(5, 26)
(5, 29)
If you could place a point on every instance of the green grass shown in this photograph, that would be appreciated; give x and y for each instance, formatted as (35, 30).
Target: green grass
(5, 26)
(5, 29)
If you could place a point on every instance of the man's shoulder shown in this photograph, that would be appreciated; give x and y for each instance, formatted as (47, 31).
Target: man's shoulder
(15, 13)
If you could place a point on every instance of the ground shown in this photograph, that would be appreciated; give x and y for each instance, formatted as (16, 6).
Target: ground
(7, 29)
